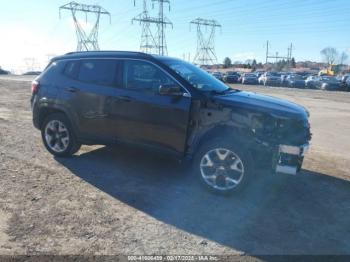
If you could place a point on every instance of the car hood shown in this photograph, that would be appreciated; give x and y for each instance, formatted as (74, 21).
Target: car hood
(331, 82)
(262, 103)
(297, 80)
(273, 78)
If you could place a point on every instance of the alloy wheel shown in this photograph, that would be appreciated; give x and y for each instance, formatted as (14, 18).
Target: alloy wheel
(57, 136)
(222, 169)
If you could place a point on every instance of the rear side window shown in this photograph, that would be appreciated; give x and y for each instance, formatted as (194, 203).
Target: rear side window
(71, 69)
(99, 71)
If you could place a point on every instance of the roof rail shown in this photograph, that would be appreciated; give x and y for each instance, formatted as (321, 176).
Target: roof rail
(106, 51)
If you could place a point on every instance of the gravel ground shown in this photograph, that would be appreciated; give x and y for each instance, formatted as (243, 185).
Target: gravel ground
(126, 201)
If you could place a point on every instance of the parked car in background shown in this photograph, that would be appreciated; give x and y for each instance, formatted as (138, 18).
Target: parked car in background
(261, 79)
(4, 72)
(295, 81)
(249, 79)
(258, 73)
(329, 83)
(284, 78)
(304, 75)
(271, 78)
(347, 84)
(312, 82)
(345, 77)
(218, 75)
(343, 80)
(231, 77)
(32, 73)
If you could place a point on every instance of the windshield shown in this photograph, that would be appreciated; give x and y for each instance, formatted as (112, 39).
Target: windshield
(197, 77)
(249, 75)
(273, 74)
(329, 79)
(296, 77)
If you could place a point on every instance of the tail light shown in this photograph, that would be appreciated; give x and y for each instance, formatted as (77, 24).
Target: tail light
(35, 87)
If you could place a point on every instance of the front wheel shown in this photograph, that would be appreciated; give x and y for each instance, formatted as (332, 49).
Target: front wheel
(223, 167)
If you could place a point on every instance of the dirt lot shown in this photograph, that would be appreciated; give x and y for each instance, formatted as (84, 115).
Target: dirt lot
(125, 201)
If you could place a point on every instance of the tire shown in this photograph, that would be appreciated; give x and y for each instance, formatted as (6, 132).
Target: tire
(227, 180)
(58, 136)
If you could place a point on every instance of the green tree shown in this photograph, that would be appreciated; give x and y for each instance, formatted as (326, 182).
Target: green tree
(293, 63)
(227, 62)
(254, 65)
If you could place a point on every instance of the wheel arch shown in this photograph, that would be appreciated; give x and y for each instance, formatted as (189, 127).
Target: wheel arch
(46, 110)
(226, 131)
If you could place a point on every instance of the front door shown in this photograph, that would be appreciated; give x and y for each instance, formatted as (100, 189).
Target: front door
(145, 116)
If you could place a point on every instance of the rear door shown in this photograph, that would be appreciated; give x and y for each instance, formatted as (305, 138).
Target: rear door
(144, 116)
(90, 93)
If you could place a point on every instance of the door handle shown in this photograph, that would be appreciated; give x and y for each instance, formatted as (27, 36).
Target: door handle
(124, 98)
(72, 89)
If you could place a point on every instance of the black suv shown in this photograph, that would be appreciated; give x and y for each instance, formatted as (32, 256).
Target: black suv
(167, 104)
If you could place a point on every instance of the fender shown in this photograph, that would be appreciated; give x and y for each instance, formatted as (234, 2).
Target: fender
(51, 107)
(212, 121)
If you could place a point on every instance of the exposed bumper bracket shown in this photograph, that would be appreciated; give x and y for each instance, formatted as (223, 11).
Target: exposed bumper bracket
(290, 158)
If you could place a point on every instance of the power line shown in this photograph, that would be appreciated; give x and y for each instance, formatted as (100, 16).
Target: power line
(86, 41)
(205, 54)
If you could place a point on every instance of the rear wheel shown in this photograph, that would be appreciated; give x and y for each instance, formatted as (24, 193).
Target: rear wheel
(58, 136)
(223, 167)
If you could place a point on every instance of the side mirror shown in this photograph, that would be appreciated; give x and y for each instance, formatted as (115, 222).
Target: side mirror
(170, 90)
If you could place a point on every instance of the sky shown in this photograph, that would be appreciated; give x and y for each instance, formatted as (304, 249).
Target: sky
(33, 29)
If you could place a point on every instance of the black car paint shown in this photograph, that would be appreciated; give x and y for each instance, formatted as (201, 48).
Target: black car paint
(294, 81)
(176, 124)
(231, 78)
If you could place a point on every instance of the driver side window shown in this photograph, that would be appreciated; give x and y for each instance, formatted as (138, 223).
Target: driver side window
(143, 76)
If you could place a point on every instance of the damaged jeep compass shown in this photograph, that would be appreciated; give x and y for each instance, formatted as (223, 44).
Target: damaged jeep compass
(166, 104)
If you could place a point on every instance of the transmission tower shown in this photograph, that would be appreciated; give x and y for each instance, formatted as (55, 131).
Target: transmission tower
(148, 42)
(205, 54)
(162, 22)
(32, 64)
(87, 41)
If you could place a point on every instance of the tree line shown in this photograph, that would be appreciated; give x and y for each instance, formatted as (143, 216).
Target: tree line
(330, 55)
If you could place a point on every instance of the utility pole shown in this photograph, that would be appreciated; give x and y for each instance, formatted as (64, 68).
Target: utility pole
(162, 22)
(267, 51)
(277, 56)
(290, 50)
(86, 41)
(205, 54)
(148, 43)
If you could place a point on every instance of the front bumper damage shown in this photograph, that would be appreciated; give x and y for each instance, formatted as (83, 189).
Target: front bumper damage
(289, 159)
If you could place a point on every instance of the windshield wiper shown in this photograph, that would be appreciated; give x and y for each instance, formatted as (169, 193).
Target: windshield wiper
(216, 92)
(226, 91)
